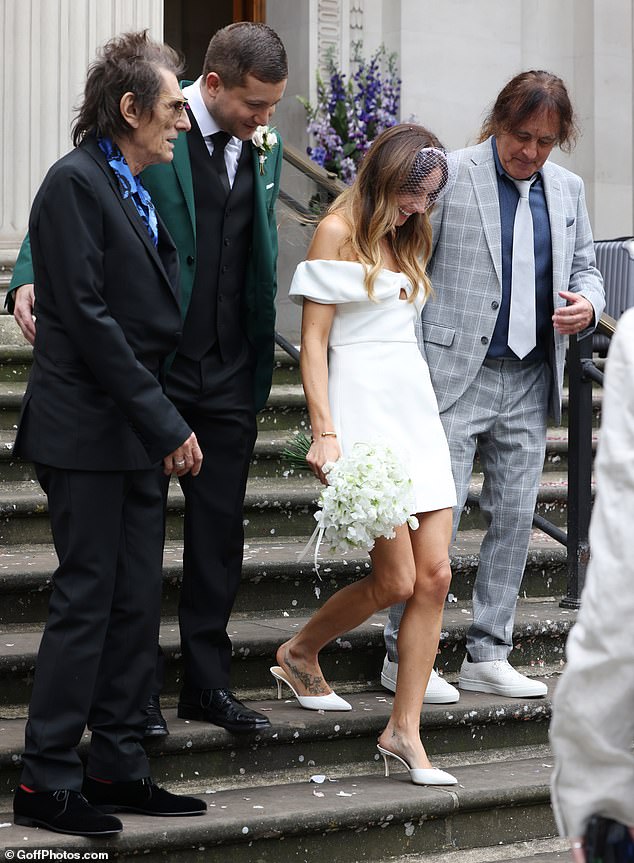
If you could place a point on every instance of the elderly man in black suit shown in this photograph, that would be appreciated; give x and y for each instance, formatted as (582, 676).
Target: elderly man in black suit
(99, 428)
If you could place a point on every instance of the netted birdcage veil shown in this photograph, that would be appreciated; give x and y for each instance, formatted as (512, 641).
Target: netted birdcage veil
(428, 177)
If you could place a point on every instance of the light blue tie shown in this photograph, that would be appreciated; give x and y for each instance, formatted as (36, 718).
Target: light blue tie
(522, 322)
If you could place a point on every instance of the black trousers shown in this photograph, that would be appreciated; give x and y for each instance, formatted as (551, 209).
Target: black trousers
(215, 398)
(97, 657)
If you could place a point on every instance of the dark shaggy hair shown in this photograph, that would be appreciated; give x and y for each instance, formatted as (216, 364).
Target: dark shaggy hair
(131, 63)
(526, 94)
(246, 48)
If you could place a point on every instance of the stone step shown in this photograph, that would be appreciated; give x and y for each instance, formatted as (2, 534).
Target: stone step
(363, 817)
(285, 409)
(10, 333)
(351, 663)
(301, 743)
(16, 359)
(562, 856)
(268, 459)
(272, 578)
(272, 507)
(15, 362)
(551, 850)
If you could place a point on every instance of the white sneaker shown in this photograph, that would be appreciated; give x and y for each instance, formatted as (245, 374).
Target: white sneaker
(500, 678)
(438, 690)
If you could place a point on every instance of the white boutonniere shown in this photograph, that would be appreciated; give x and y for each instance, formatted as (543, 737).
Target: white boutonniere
(264, 139)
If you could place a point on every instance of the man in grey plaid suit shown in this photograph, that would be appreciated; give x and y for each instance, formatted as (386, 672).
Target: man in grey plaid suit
(490, 397)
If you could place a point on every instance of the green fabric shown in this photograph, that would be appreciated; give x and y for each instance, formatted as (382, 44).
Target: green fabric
(172, 192)
(22, 272)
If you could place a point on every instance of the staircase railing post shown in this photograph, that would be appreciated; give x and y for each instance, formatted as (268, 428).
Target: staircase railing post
(579, 468)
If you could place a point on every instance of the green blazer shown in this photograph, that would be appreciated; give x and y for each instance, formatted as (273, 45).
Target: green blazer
(172, 192)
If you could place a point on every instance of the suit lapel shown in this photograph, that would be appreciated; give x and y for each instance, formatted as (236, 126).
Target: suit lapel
(485, 187)
(127, 205)
(183, 171)
(260, 221)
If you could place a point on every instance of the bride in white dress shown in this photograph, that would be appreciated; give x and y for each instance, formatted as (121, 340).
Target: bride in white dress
(363, 286)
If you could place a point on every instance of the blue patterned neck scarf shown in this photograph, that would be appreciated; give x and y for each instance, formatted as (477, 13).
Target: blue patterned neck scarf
(131, 186)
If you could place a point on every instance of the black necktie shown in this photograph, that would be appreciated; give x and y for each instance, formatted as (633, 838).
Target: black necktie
(220, 140)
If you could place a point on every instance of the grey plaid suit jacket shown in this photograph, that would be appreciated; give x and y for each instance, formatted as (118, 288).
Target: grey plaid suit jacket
(466, 271)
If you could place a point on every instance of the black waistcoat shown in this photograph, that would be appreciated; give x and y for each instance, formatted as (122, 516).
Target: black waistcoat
(223, 241)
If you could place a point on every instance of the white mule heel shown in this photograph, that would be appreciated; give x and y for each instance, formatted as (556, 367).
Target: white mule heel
(419, 775)
(311, 702)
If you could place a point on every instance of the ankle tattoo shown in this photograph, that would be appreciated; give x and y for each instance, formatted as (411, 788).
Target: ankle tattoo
(314, 683)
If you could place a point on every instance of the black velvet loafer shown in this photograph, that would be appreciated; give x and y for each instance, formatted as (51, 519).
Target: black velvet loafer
(139, 795)
(220, 707)
(62, 811)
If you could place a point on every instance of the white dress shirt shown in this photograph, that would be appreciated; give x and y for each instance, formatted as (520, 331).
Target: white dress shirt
(593, 713)
(208, 126)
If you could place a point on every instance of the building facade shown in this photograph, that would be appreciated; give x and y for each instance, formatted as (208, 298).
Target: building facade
(454, 57)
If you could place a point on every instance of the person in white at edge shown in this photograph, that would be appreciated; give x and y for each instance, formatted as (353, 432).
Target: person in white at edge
(593, 721)
(490, 399)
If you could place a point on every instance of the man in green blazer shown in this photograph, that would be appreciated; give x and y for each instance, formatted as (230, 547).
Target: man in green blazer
(217, 198)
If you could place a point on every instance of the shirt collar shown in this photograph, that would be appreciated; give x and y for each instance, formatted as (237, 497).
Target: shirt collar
(206, 122)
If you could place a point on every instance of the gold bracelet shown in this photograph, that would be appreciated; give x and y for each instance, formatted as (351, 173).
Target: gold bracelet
(324, 434)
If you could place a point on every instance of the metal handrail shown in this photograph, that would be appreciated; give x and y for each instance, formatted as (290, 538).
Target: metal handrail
(330, 183)
(582, 372)
(287, 346)
(329, 186)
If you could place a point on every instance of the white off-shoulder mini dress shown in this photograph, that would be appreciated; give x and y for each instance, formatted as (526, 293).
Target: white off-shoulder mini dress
(378, 381)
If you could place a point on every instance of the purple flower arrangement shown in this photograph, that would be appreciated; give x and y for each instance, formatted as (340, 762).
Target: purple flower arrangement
(350, 114)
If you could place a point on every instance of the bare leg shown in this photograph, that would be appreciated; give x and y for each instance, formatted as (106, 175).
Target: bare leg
(418, 636)
(391, 580)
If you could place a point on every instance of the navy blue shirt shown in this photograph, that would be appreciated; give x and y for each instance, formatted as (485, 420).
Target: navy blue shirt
(508, 197)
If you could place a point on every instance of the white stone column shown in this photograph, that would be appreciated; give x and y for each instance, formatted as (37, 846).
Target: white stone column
(46, 46)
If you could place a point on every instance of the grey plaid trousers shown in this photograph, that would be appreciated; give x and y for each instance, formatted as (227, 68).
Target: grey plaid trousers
(503, 414)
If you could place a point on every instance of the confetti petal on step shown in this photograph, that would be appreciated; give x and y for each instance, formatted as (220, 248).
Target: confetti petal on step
(318, 778)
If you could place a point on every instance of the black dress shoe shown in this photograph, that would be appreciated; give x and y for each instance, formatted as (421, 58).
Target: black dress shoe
(62, 811)
(220, 707)
(139, 795)
(155, 724)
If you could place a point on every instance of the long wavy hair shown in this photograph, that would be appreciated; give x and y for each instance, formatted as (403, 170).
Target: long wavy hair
(370, 208)
(129, 63)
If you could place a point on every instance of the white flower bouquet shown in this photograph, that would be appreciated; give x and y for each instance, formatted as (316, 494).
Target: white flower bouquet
(368, 495)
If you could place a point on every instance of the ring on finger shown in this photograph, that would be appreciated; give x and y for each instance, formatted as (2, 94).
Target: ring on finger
(179, 463)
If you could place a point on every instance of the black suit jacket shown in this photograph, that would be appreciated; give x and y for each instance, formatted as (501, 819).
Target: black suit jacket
(108, 314)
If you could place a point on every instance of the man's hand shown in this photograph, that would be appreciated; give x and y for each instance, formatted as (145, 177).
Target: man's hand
(188, 458)
(24, 300)
(578, 315)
